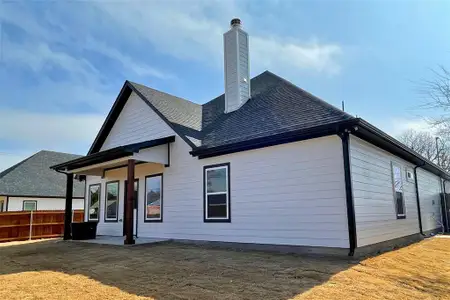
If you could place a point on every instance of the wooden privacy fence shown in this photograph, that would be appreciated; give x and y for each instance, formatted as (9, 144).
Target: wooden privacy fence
(39, 224)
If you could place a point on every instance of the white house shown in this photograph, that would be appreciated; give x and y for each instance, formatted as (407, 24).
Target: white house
(266, 163)
(31, 185)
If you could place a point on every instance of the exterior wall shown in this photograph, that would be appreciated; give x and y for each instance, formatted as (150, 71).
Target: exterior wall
(116, 228)
(376, 219)
(16, 203)
(2, 203)
(292, 194)
(136, 123)
(430, 200)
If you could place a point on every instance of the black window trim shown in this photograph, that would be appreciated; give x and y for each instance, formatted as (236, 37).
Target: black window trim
(217, 220)
(23, 204)
(99, 201)
(394, 192)
(111, 220)
(153, 220)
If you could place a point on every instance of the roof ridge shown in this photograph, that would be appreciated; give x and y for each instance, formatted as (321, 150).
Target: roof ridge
(165, 93)
(13, 167)
(313, 97)
(260, 74)
(52, 151)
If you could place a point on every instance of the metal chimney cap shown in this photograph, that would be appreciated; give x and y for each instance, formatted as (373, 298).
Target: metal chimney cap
(235, 22)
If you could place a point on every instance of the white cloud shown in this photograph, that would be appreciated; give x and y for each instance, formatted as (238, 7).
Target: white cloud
(60, 36)
(38, 54)
(186, 32)
(271, 52)
(397, 126)
(61, 132)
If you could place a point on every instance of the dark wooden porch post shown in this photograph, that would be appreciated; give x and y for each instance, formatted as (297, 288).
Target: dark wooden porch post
(68, 210)
(129, 238)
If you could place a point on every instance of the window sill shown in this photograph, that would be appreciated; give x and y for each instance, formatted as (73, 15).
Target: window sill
(153, 221)
(217, 220)
(110, 221)
(401, 217)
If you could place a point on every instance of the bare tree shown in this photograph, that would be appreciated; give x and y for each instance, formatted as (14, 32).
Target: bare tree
(437, 95)
(424, 143)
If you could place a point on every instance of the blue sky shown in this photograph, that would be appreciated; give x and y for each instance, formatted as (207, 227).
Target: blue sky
(63, 63)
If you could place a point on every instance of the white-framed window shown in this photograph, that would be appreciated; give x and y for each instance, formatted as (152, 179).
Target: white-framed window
(112, 201)
(153, 210)
(409, 175)
(94, 202)
(29, 205)
(217, 193)
(397, 187)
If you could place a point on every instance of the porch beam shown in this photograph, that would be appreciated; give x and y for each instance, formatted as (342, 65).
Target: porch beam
(99, 165)
(129, 238)
(68, 208)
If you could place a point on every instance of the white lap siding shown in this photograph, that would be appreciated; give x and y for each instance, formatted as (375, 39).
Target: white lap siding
(137, 122)
(292, 194)
(16, 203)
(375, 213)
(430, 200)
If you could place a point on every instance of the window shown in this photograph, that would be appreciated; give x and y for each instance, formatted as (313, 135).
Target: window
(94, 202)
(1, 206)
(217, 193)
(398, 191)
(29, 205)
(153, 198)
(112, 201)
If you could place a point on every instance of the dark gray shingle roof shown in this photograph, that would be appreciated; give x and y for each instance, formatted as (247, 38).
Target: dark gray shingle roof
(33, 177)
(276, 106)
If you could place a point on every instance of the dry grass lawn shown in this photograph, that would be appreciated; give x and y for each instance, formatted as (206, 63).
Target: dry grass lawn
(63, 270)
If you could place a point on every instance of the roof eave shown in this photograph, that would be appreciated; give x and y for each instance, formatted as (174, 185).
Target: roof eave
(278, 139)
(375, 136)
(355, 126)
(111, 154)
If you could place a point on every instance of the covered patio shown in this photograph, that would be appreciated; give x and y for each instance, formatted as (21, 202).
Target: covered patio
(116, 240)
(155, 151)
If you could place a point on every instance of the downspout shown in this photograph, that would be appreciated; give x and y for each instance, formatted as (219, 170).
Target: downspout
(419, 214)
(445, 205)
(349, 192)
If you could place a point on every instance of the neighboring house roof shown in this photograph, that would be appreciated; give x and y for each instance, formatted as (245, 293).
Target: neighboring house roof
(33, 177)
(277, 112)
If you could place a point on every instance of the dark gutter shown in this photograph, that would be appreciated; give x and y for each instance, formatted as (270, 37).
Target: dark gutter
(111, 154)
(351, 219)
(370, 133)
(445, 213)
(416, 183)
(278, 139)
(362, 129)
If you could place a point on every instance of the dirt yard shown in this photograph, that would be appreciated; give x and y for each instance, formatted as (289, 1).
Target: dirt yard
(65, 270)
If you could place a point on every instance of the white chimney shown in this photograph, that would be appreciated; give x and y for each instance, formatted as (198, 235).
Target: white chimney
(237, 69)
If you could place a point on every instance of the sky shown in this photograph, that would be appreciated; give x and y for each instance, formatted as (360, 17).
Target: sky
(63, 63)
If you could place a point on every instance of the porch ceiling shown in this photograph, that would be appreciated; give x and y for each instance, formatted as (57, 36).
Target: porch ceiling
(156, 151)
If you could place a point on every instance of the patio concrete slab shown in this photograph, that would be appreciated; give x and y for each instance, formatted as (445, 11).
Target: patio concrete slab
(118, 240)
